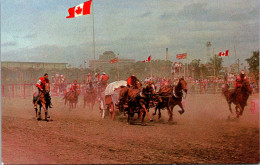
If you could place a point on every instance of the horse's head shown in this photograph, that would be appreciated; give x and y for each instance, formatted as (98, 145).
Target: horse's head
(183, 84)
(47, 88)
(149, 89)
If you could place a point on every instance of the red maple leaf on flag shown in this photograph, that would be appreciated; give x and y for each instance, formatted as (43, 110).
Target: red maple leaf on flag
(78, 10)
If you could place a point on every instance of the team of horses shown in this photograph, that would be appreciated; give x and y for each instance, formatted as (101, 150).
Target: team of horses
(139, 100)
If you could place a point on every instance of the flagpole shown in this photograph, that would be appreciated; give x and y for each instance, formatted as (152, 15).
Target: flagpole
(187, 69)
(117, 68)
(94, 49)
(184, 70)
(228, 65)
(151, 69)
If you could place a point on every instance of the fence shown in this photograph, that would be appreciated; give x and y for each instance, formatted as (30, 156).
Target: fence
(27, 90)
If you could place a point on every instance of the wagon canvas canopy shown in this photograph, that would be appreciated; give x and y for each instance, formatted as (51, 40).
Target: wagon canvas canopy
(110, 89)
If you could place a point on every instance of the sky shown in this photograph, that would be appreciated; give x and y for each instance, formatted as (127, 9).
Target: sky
(38, 30)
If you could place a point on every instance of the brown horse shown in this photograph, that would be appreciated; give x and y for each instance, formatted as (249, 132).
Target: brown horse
(240, 97)
(89, 96)
(169, 97)
(164, 95)
(134, 101)
(177, 97)
(43, 101)
(72, 97)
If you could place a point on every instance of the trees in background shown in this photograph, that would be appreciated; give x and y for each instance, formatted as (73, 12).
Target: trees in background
(253, 63)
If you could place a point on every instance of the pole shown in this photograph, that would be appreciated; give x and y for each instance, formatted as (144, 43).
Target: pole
(151, 69)
(238, 65)
(184, 70)
(187, 66)
(117, 68)
(94, 49)
(235, 55)
(214, 56)
(228, 65)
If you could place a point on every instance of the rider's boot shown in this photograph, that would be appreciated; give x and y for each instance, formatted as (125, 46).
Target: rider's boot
(181, 111)
(51, 105)
(46, 116)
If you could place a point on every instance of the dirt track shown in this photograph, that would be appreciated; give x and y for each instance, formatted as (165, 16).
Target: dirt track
(201, 135)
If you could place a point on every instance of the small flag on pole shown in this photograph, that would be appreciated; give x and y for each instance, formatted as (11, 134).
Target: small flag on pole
(148, 59)
(115, 60)
(181, 56)
(81, 9)
(223, 53)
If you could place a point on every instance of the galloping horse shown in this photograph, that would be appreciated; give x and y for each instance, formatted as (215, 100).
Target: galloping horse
(169, 98)
(136, 100)
(177, 97)
(89, 96)
(240, 97)
(43, 101)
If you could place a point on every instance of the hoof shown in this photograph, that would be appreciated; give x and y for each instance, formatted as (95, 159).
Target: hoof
(48, 117)
(181, 112)
(39, 119)
(154, 114)
(151, 120)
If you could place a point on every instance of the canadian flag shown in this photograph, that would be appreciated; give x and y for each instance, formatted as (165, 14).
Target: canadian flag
(223, 53)
(82, 9)
(148, 60)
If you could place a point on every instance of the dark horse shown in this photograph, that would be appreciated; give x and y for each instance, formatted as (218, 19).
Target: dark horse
(43, 101)
(169, 97)
(240, 97)
(136, 101)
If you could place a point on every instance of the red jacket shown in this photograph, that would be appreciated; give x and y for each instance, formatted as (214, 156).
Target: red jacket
(41, 82)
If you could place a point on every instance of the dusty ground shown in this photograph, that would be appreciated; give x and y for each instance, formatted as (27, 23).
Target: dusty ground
(201, 135)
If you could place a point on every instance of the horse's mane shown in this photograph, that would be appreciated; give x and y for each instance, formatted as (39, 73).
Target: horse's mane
(166, 89)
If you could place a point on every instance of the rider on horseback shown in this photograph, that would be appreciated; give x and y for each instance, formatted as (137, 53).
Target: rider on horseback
(74, 86)
(41, 85)
(238, 84)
